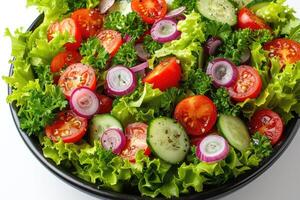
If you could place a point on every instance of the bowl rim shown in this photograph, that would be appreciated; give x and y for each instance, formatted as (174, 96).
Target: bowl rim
(222, 190)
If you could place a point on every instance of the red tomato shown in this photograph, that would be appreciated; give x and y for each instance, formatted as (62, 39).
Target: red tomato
(111, 40)
(166, 75)
(247, 19)
(67, 25)
(197, 114)
(64, 59)
(77, 75)
(67, 126)
(105, 104)
(287, 50)
(89, 21)
(268, 123)
(136, 136)
(150, 10)
(248, 84)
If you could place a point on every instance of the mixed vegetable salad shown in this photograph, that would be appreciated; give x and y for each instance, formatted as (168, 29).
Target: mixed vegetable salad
(157, 97)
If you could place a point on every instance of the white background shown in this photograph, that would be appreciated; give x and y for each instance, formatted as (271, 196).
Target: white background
(23, 177)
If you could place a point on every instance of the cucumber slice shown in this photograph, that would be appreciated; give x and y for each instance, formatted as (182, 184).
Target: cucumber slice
(242, 3)
(168, 140)
(123, 6)
(257, 4)
(235, 131)
(219, 10)
(100, 123)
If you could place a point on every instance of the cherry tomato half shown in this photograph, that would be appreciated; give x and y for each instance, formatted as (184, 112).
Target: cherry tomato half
(247, 19)
(268, 123)
(67, 25)
(64, 59)
(67, 126)
(105, 104)
(166, 75)
(288, 51)
(89, 21)
(150, 10)
(197, 114)
(111, 41)
(77, 75)
(248, 84)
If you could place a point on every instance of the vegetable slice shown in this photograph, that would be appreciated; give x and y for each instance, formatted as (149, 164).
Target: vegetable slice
(165, 30)
(141, 52)
(178, 12)
(120, 81)
(212, 148)
(140, 67)
(168, 140)
(105, 5)
(211, 45)
(113, 139)
(84, 102)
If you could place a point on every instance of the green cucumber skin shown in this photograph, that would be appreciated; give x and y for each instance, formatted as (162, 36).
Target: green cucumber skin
(228, 127)
(257, 4)
(211, 9)
(107, 119)
(184, 148)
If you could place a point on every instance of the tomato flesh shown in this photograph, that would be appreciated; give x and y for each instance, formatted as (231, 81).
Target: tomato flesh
(248, 84)
(77, 75)
(247, 19)
(197, 114)
(68, 126)
(166, 75)
(105, 104)
(111, 41)
(89, 21)
(150, 10)
(64, 59)
(268, 123)
(288, 51)
(136, 136)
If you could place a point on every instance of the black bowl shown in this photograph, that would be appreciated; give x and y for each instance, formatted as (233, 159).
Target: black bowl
(212, 193)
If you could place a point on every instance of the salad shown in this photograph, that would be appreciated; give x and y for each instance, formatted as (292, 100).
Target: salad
(162, 98)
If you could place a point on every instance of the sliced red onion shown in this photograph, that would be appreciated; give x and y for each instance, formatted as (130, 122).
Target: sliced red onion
(245, 57)
(127, 38)
(140, 67)
(141, 52)
(113, 139)
(178, 12)
(84, 102)
(105, 5)
(211, 45)
(165, 30)
(212, 148)
(120, 81)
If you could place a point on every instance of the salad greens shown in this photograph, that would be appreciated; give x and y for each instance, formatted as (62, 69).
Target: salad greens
(39, 99)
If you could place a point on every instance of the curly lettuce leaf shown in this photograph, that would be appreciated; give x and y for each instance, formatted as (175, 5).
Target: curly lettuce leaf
(188, 47)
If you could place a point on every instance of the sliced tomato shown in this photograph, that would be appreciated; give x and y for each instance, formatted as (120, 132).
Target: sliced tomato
(197, 114)
(111, 40)
(89, 21)
(69, 26)
(288, 51)
(77, 75)
(68, 126)
(248, 84)
(268, 123)
(64, 59)
(247, 19)
(150, 10)
(136, 136)
(166, 75)
(105, 104)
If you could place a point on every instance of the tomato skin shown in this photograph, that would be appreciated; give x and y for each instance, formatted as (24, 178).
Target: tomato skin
(136, 136)
(268, 123)
(197, 114)
(166, 75)
(247, 19)
(150, 10)
(105, 104)
(248, 84)
(89, 21)
(77, 75)
(66, 25)
(111, 41)
(64, 59)
(67, 122)
(287, 50)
